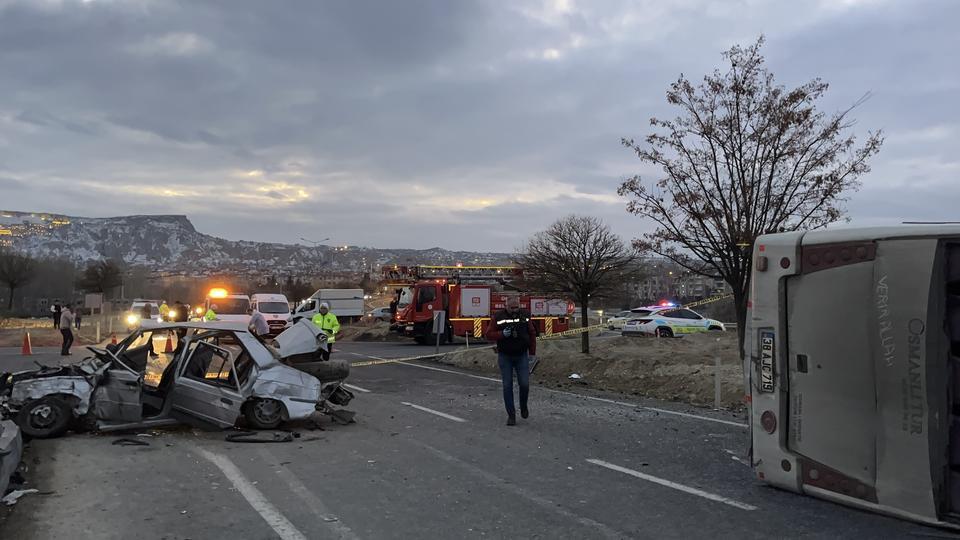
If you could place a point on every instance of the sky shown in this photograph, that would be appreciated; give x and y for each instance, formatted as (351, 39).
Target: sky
(418, 123)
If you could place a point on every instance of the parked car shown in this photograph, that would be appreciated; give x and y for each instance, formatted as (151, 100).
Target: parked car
(616, 322)
(667, 321)
(380, 314)
(218, 373)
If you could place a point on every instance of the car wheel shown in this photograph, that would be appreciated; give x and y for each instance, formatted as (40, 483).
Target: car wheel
(264, 413)
(715, 329)
(45, 418)
(663, 331)
(421, 340)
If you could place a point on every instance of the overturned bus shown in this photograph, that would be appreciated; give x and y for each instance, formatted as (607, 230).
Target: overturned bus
(853, 367)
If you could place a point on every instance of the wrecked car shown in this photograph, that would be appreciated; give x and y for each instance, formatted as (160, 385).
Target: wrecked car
(214, 375)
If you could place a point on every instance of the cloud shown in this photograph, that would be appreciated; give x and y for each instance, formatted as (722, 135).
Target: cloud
(463, 124)
(172, 44)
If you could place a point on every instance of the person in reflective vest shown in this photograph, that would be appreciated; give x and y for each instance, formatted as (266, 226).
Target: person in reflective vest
(164, 311)
(516, 338)
(327, 322)
(211, 314)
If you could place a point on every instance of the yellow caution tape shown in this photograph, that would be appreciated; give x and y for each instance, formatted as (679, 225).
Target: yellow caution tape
(709, 300)
(571, 332)
(380, 362)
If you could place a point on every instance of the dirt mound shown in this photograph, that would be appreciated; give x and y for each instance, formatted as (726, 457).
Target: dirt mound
(680, 369)
(378, 331)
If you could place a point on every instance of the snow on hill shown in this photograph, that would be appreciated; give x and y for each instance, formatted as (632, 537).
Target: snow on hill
(171, 243)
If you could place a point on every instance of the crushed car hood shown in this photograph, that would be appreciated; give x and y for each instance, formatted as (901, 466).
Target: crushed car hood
(304, 337)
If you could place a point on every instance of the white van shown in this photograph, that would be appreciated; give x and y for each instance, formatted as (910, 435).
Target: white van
(346, 304)
(230, 307)
(275, 309)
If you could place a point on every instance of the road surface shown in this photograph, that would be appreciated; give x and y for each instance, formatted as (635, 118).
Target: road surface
(430, 457)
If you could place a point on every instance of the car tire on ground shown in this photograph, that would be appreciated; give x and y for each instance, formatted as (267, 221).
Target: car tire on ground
(45, 418)
(714, 329)
(420, 340)
(264, 413)
(664, 331)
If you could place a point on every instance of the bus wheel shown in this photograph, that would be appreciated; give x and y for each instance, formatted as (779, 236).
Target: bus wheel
(663, 331)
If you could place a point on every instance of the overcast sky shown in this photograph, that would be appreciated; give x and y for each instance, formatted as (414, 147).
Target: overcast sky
(463, 124)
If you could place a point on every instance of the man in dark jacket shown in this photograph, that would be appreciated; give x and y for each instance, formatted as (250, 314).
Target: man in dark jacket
(516, 338)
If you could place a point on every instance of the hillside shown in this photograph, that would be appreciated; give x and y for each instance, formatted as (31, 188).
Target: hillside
(171, 243)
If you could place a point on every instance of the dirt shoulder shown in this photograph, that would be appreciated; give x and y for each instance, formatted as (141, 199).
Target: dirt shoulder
(680, 369)
(42, 337)
(364, 331)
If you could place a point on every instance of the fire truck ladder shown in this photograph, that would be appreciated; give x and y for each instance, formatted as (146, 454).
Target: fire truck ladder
(410, 274)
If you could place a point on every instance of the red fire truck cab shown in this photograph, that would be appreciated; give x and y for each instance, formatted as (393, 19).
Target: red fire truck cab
(469, 306)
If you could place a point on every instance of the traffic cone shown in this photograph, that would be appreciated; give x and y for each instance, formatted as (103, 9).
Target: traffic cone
(113, 339)
(169, 346)
(27, 349)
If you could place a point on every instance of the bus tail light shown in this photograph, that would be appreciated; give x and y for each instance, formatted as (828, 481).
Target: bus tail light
(768, 421)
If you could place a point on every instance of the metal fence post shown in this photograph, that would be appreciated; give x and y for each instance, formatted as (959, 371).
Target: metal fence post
(467, 335)
(98, 332)
(716, 378)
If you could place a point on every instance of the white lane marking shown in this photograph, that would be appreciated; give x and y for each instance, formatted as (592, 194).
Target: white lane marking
(655, 409)
(511, 486)
(604, 400)
(280, 524)
(366, 356)
(673, 485)
(450, 371)
(355, 387)
(431, 411)
(313, 503)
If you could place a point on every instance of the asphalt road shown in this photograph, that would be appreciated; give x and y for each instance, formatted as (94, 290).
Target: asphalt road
(430, 457)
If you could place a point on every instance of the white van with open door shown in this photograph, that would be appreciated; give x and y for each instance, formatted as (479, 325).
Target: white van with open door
(852, 364)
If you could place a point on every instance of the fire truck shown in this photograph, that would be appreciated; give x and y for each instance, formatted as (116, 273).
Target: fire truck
(469, 295)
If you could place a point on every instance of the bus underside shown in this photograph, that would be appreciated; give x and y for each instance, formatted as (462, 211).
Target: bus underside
(853, 365)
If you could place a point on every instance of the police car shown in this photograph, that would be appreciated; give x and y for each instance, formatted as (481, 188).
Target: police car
(668, 321)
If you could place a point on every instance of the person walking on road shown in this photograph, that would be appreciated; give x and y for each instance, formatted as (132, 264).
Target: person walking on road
(78, 316)
(66, 324)
(57, 312)
(516, 339)
(164, 311)
(327, 322)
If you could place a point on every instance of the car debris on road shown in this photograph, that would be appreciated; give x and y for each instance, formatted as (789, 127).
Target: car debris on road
(218, 373)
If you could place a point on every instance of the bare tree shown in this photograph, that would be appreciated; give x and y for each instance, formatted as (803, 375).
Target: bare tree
(101, 276)
(743, 157)
(579, 255)
(16, 270)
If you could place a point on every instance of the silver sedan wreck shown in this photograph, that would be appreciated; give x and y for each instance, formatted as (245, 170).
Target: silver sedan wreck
(216, 374)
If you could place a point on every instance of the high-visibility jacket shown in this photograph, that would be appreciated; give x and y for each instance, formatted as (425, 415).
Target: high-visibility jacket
(210, 315)
(329, 324)
(164, 310)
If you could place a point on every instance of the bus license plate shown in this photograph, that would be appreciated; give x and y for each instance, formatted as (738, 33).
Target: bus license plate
(766, 361)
